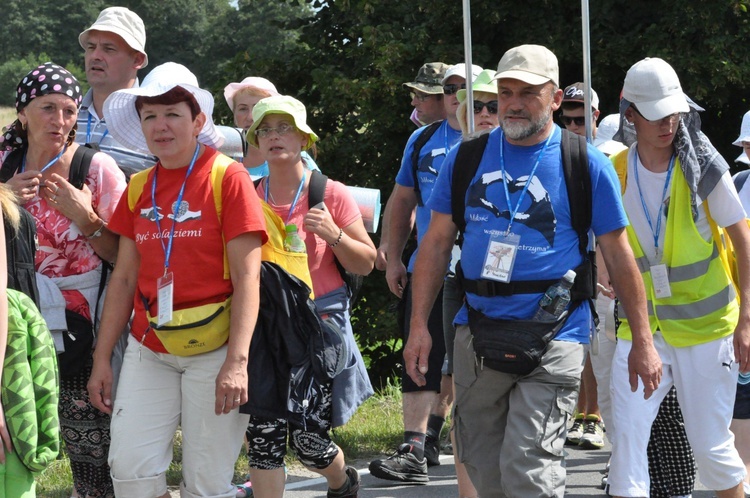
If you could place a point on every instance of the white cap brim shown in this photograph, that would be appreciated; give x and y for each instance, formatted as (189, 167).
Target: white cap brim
(742, 158)
(659, 109)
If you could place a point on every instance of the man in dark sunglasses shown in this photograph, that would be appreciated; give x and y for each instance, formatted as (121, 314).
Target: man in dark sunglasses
(572, 112)
(424, 407)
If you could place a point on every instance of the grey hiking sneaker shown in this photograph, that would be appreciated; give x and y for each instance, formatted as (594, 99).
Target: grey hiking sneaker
(593, 433)
(432, 451)
(350, 489)
(575, 432)
(402, 466)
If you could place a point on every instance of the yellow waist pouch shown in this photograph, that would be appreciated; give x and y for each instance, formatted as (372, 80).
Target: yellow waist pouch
(194, 330)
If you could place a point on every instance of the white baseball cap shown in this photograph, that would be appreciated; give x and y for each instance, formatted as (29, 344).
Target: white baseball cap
(605, 133)
(460, 70)
(122, 116)
(124, 23)
(744, 131)
(653, 86)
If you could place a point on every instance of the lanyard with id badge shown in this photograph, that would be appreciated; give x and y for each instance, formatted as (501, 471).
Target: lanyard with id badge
(165, 284)
(503, 247)
(659, 273)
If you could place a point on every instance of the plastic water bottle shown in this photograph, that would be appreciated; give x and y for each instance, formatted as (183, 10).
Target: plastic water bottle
(555, 301)
(293, 242)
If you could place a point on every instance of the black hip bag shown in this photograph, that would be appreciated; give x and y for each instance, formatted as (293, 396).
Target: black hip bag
(511, 346)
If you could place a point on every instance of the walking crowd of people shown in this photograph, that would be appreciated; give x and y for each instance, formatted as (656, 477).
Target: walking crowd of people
(585, 289)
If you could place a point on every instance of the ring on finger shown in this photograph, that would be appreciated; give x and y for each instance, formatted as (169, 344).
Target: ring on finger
(54, 197)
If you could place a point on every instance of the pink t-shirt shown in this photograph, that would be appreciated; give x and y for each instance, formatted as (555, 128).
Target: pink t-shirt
(63, 249)
(344, 211)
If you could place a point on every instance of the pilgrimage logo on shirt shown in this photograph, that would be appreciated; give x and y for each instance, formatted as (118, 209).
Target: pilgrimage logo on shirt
(535, 211)
(179, 214)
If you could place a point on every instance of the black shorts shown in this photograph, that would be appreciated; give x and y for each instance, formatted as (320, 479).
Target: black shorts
(742, 402)
(437, 353)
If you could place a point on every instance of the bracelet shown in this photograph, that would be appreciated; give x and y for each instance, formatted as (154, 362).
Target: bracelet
(97, 232)
(341, 234)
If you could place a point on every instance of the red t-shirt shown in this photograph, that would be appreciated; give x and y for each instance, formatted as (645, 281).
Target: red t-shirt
(197, 255)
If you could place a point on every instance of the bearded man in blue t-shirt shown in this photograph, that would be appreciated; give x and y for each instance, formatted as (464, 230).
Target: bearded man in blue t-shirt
(511, 428)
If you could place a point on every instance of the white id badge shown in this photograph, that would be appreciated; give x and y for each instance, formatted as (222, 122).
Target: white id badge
(660, 278)
(165, 288)
(501, 255)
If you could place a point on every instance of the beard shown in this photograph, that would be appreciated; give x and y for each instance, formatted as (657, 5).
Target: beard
(522, 131)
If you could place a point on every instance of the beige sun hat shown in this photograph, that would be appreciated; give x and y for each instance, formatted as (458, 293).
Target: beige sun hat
(124, 23)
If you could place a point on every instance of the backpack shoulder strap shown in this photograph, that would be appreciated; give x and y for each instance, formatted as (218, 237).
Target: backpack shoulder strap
(620, 162)
(317, 191)
(419, 143)
(11, 165)
(218, 171)
(468, 157)
(578, 182)
(80, 165)
(135, 187)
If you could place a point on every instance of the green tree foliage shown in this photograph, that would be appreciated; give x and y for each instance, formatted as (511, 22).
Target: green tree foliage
(354, 55)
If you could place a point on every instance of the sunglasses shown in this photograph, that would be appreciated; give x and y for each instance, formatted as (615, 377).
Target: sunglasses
(491, 106)
(578, 120)
(420, 96)
(282, 130)
(671, 119)
(453, 88)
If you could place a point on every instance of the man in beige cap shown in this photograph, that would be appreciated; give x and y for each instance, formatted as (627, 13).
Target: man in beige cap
(114, 52)
(518, 241)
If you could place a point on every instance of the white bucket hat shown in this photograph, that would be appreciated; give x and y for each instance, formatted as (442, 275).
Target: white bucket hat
(122, 117)
(744, 131)
(124, 23)
(250, 82)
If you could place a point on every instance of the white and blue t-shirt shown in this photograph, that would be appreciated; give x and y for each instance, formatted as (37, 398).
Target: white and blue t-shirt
(548, 244)
(431, 158)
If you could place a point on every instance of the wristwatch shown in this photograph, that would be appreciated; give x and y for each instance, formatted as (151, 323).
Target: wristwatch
(98, 232)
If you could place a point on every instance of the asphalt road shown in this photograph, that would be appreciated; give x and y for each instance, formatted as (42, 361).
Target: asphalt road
(584, 478)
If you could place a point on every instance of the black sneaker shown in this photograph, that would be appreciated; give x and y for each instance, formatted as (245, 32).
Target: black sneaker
(350, 489)
(432, 451)
(402, 466)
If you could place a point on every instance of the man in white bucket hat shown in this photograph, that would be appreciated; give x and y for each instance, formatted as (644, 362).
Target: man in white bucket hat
(114, 50)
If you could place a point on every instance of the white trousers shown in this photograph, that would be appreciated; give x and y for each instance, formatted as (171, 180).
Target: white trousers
(705, 377)
(158, 392)
(601, 363)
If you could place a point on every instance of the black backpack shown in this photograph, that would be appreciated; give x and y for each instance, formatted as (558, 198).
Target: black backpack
(20, 248)
(578, 182)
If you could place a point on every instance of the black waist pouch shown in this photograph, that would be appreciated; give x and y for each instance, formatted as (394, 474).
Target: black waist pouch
(511, 346)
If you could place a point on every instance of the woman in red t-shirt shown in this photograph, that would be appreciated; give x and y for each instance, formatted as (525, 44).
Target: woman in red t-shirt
(174, 239)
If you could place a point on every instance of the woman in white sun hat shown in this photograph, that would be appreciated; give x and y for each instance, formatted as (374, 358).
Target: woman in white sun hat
(177, 239)
(241, 98)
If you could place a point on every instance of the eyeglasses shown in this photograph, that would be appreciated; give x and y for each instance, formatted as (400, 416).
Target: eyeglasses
(420, 96)
(491, 106)
(282, 130)
(671, 119)
(453, 88)
(578, 120)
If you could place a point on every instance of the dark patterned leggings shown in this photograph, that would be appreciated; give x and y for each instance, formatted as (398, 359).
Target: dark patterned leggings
(85, 431)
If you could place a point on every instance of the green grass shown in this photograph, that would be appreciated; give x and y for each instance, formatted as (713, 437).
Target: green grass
(7, 115)
(375, 429)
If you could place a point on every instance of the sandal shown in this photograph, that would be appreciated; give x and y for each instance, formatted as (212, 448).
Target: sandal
(244, 490)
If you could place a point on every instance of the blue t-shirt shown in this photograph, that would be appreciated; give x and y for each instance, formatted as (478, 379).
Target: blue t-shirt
(431, 158)
(262, 170)
(548, 244)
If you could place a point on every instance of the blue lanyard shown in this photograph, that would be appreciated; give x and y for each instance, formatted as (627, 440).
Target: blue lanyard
(88, 131)
(512, 211)
(168, 249)
(296, 197)
(46, 166)
(661, 204)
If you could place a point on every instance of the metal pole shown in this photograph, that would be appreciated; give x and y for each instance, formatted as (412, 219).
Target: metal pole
(587, 69)
(467, 60)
